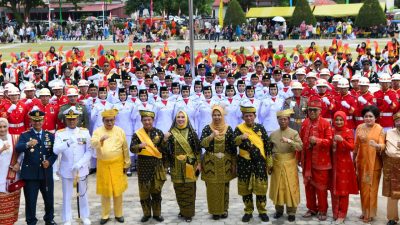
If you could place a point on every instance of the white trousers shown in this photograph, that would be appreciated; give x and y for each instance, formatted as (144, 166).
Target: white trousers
(69, 196)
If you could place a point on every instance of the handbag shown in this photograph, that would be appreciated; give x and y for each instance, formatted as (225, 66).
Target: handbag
(15, 186)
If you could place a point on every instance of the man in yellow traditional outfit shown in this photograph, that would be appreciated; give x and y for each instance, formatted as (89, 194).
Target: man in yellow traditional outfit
(285, 188)
(146, 142)
(253, 162)
(112, 162)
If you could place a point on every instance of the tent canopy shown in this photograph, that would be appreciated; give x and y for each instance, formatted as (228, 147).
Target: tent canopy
(340, 10)
(269, 12)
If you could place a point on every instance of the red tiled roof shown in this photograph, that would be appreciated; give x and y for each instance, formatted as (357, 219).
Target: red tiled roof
(324, 2)
(216, 2)
(90, 7)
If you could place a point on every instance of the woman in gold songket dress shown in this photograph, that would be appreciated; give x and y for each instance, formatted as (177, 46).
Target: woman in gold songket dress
(183, 152)
(9, 167)
(369, 144)
(219, 162)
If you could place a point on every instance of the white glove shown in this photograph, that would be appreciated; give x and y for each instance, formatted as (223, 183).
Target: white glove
(345, 104)
(29, 101)
(292, 104)
(326, 101)
(387, 99)
(362, 100)
(53, 99)
(72, 141)
(35, 108)
(12, 108)
(76, 166)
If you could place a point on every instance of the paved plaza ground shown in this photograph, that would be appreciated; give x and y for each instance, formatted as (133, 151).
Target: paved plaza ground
(170, 210)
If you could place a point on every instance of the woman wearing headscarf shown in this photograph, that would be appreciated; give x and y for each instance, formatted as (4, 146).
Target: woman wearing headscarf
(219, 162)
(369, 144)
(9, 185)
(183, 152)
(344, 177)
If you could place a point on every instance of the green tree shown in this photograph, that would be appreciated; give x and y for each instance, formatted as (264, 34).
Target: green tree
(171, 7)
(302, 12)
(234, 14)
(19, 7)
(370, 14)
(246, 4)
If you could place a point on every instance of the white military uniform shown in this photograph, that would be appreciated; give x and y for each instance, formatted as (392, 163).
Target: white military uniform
(75, 149)
(232, 111)
(268, 110)
(189, 106)
(164, 110)
(203, 114)
(95, 115)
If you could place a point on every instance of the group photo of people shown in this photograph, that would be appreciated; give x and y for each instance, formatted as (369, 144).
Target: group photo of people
(316, 121)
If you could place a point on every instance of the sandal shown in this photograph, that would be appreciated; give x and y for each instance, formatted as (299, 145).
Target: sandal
(309, 214)
(322, 217)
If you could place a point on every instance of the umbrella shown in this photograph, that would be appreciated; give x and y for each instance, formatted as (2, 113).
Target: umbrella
(278, 19)
(91, 18)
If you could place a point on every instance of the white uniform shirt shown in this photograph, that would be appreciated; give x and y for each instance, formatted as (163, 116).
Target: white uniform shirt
(78, 153)
(164, 110)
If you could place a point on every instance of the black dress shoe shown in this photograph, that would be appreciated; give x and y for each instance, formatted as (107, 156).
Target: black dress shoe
(51, 222)
(188, 219)
(145, 219)
(264, 217)
(291, 218)
(225, 215)
(104, 221)
(158, 218)
(216, 217)
(92, 171)
(278, 215)
(120, 219)
(391, 222)
(246, 217)
(129, 173)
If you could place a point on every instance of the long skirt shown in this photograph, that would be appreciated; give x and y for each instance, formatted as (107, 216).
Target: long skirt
(9, 207)
(369, 195)
(217, 198)
(186, 197)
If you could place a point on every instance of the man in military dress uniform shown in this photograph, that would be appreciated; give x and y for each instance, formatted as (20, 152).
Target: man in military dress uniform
(73, 144)
(299, 105)
(146, 142)
(37, 168)
(83, 119)
(253, 161)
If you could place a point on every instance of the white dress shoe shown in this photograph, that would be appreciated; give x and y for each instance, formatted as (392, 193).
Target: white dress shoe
(86, 221)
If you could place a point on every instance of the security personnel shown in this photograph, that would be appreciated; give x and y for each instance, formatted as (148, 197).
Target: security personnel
(83, 119)
(37, 168)
(73, 143)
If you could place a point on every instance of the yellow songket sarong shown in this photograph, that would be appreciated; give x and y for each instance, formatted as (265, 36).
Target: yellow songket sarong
(111, 180)
(150, 149)
(284, 188)
(254, 138)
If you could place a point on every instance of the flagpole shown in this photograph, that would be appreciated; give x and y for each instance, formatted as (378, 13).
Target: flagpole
(191, 30)
(103, 11)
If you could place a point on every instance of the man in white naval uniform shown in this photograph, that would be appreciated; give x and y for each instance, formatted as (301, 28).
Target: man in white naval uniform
(126, 119)
(73, 144)
(164, 110)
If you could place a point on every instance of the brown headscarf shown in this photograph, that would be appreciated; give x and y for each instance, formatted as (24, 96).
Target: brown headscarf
(221, 127)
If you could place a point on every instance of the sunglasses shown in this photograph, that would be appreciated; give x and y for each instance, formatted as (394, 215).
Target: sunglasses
(106, 65)
(313, 110)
